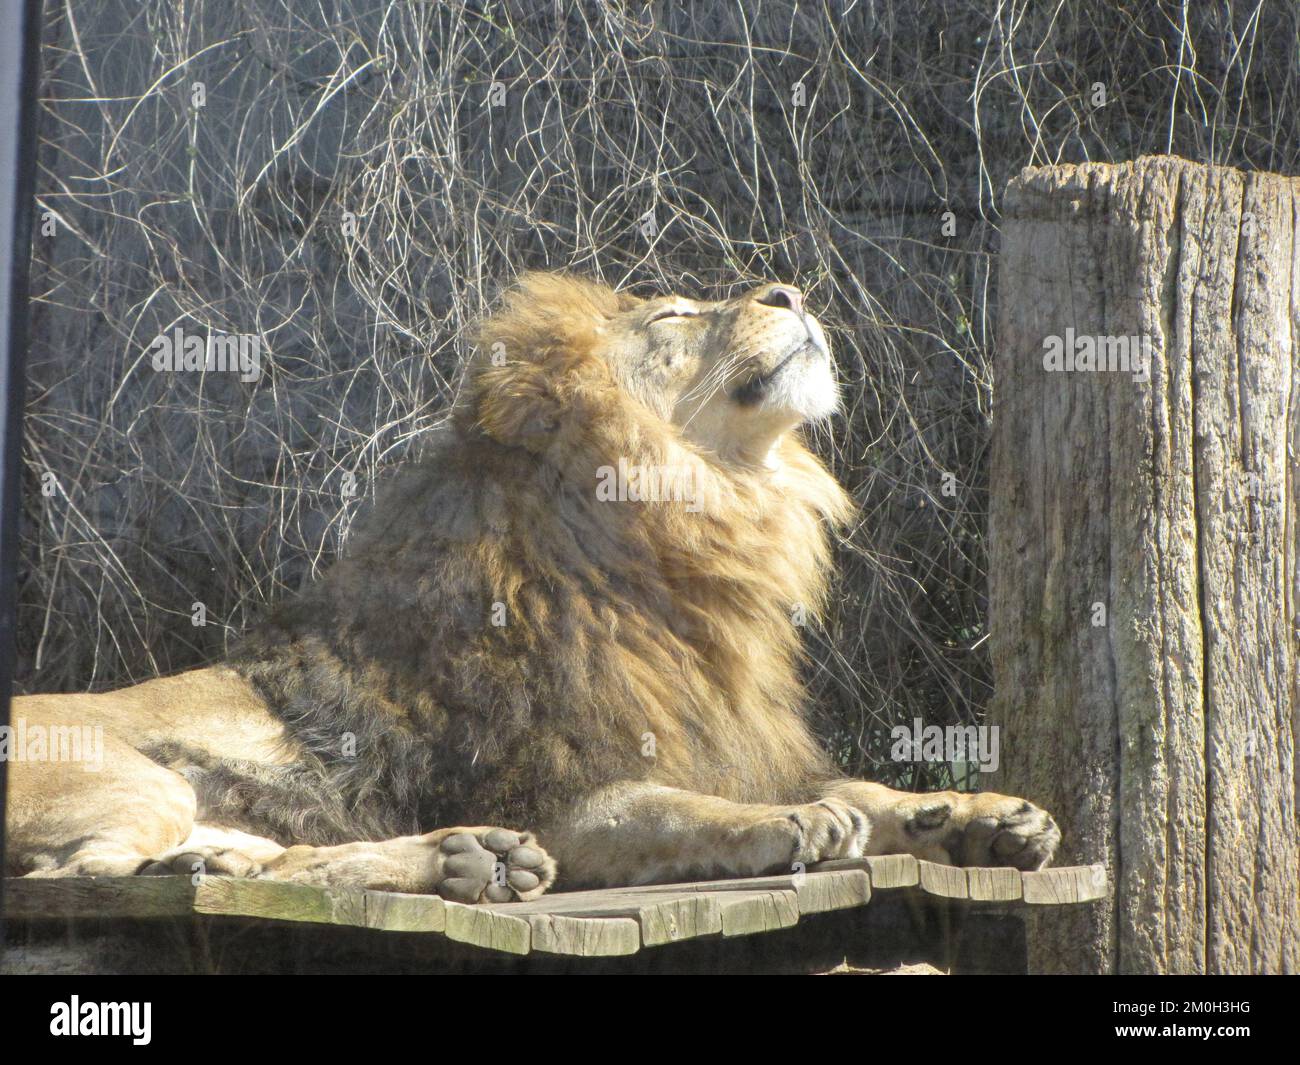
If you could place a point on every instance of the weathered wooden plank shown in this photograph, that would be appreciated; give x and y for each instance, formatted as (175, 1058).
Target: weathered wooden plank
(230, 896)
(675, 919)
(893, 871)
(818, 892)
(663, 916)
(946, 881)
(833, 889)
(584, 937)
(1078, 883)
(98, 896)
(994, 885)
(396, 912)
(587, 924)
(779, 882)
(885, 870)
(745, 913)
(487, 927)
(610, 902)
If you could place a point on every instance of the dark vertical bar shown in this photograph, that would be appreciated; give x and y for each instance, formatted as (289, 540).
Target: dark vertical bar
(20, 40)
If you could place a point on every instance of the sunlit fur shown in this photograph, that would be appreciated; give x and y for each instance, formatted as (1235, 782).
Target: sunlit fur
(628, 627)
(507, 643)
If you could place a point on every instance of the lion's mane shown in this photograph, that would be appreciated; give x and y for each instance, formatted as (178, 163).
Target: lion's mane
(498, 641)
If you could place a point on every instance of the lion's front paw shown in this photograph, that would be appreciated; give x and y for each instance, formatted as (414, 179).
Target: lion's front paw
(493, 865)
(1000, 830)
(202, 861)
(827, 829)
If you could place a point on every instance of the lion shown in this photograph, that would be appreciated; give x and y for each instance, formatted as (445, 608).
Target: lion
(575, 616)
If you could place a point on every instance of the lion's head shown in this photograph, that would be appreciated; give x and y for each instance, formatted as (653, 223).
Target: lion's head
(732, 375)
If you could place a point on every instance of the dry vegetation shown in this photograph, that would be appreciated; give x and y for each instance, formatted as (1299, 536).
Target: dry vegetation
(336, 179)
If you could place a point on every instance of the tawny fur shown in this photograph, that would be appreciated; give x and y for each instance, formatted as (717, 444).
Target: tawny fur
(501, 645)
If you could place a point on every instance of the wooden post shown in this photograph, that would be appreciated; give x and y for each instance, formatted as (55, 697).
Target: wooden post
(1145, 578)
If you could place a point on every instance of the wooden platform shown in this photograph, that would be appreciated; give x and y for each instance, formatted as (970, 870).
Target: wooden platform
(582, 924)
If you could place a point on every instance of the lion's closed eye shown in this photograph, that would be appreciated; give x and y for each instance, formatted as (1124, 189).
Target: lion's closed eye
(673, 312)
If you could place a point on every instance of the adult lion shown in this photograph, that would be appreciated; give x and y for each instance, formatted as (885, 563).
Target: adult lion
(574, 616)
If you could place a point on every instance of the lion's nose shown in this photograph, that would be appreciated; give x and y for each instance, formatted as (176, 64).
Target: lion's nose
(785, 296)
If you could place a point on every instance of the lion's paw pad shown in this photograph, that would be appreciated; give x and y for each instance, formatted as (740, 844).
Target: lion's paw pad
(495, 865)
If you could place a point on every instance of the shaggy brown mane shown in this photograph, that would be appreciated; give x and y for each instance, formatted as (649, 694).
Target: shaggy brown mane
(494, 621)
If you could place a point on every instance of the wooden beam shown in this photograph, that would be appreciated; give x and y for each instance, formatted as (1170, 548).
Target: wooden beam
(886, 870)
(1054, 887)
(663, 917)
(229, 896)
(946, 881)
(833, 889)
(818, 891)
(487, 927)
(746, 912)
(995, 885)
(584, 937)
(37, 898)
(604, 923)
(394, 912)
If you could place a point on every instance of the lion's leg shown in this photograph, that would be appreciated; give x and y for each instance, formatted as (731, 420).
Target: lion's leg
(953, 827)
(637, 833)
(105, 818)
(461, 864)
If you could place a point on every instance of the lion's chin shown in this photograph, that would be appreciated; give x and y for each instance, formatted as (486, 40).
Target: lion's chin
(802, 389)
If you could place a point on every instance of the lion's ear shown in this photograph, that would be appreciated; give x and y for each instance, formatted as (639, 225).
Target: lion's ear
(516, 405)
